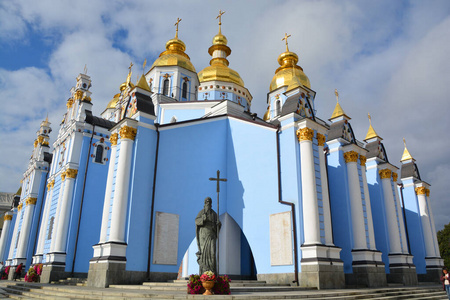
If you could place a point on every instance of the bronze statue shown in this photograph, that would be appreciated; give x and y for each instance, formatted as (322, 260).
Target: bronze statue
(207, 229)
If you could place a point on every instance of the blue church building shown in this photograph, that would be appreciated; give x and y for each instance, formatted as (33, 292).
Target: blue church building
(304, 200)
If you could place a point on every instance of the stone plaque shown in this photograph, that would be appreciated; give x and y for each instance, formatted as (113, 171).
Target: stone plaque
(281, 239)
(165, 251)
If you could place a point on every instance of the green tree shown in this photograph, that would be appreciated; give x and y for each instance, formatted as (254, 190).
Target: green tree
(443, 237)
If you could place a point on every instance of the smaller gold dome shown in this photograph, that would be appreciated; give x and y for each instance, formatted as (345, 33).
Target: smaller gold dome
(219, 39)
(174, 56)
(288, 69)
(113, 102)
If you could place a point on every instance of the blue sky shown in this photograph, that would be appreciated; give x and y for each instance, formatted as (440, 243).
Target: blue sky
(389, 58)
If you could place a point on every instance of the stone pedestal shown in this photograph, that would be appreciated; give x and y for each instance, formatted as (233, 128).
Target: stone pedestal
(53, 272)
(434, 270)
(368, 270)
(402, 269)
(105, 273)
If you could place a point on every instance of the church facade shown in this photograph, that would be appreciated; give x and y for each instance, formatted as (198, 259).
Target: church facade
(304, 201)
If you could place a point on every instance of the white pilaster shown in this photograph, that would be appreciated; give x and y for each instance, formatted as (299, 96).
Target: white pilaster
(14, 236)
(64, 212)
(433, 226)
(368, 204)
(118, 215)
(391, 216)
(325, 194)
(424, 217)
(44, 222)
(309, 192)
(400, 216)
(6, 225)
(108, 191)
(358, 226)
(26, 226)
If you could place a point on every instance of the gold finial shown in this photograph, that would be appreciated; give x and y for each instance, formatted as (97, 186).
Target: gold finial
(337, 95)
(143, 66)
(129, 74)
(338, 111)
(286, 36)
(406, 155)
(176, 24)
(85, 69)
(220, 19)
(371, 133)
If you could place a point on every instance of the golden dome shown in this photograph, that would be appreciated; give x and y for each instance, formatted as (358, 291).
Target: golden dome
(113, 102)
(174, 56)
(288, 71)
(218, 69)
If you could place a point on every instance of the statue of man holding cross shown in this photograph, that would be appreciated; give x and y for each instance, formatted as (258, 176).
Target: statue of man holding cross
(208, 226)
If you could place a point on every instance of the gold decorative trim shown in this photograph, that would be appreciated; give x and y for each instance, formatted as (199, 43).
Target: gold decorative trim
(35, 143)
(351, 156)
(69, 103)
(63, 176)
(113, 139)
(305, 134)
(394, 176)
(78, 95)
(30, 201)
(421, 190)
(49, 185)
(320, 139)
(362, 160)
(127, 132)
(71, 173)
(385, 174)
(19, 207)
(7, 217)
(427, 191)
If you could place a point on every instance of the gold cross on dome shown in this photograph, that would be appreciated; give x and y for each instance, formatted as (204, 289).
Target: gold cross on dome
(220, 16)
(85, 69)
(176, 24)
(370, 119)
(404, 142)
(143, 66)
(131, 65)
(337, 95)
(286, 36)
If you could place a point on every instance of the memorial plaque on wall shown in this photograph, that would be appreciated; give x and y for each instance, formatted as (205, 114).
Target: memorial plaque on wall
(165, 251)
(281, 239)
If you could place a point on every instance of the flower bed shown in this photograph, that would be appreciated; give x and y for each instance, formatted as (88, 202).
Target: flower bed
(6, 272)
(34, 273)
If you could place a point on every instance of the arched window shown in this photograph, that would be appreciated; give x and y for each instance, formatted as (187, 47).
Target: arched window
(184, 91)
(99, 154)
(166, 87)
(50, 228)
(277, 108)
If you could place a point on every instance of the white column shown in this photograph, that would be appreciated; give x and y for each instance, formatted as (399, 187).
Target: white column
(44, 222)
(185, 262)
(64, 212)
(118, 215)
(373, 246)
(14, 236)
(309, 192)
(391, 215)
(109, 181)
(424, 217)
(6, 224)
(62, 187)
(325, 196)
(433, 226)
(400, 215)
(26, 226)
(358, 227)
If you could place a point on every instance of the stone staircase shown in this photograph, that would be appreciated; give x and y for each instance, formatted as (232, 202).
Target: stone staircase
(240, 289)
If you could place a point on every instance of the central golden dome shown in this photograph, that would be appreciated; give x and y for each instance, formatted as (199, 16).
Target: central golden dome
(218, 69)
(288, 71)
(174, 56)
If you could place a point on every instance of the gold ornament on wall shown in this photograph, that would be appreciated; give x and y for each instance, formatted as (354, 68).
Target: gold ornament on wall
(320, 139)
(394, 176)
(69, 103)
(127, 132)
(421, 190)
(385, 174)
(71, 173)
(362, 160)
(78, 95)
(19, 207)
(30, 201)
(305, 134)
(63, 176)
(7, 217)
(427, 191)
(350, 156)
(113, 139)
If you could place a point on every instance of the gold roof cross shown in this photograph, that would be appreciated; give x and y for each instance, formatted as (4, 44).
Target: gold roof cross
(220, 19)
(129, 74)
(143, 66)
(286, 36)
(337, 95)
(176, 24)
(85, 69)
(370, 119)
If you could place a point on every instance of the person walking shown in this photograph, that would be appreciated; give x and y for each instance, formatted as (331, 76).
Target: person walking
(18, 272)
(445, 278)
